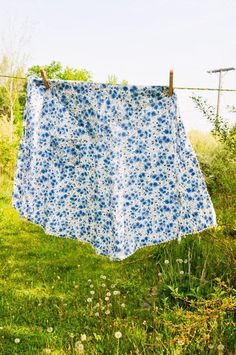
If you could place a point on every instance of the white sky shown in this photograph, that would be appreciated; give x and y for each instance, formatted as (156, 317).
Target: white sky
(137, 40)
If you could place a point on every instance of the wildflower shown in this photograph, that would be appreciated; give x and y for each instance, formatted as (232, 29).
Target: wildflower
(17, 340)
(180, 261)
(92, 292)
(49, 329)
(107, 311)
(159, 274)
(47, 350)
(181, 272)
(113, 286)
(83, 337)
(211, 346)
(167, 261)
(97, 305)
(58, 277)
(118, 335)
(1, 327)
(79, 346)
(185, 261)
(91, 286)
(71, 335)
(89, 280)
(103, 285)
(103, 277)
(108, 294)
(107, 298)
(122, 305)
(144, 322)
(220, 347)
(76, 286)
(78, 265)
(116, 292)
(180, 342)
(96, 314)
(89, 299)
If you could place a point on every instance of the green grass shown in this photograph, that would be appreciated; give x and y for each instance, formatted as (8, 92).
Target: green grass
(183, 306)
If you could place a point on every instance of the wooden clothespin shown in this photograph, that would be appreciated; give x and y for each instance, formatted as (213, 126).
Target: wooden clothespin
(171, 90)
(45, 78)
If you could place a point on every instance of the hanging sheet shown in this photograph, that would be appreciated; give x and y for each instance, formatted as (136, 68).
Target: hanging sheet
(110, 165)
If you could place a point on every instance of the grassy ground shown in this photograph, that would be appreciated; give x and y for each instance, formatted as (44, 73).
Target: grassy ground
(57, 296)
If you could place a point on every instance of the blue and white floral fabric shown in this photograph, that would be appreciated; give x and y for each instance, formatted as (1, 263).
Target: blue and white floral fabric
(110, 165)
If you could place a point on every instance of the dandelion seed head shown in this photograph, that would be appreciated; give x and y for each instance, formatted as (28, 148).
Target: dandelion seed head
(123, 305)
(116, 292)
(220, 347)
(49, 329)
(118, 335)
(167, 261)
(89, 299)
(17, 340)
(92, 292)
(181, 272)
(83, 337)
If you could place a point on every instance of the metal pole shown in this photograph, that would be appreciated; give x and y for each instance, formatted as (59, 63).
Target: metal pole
(219, 88)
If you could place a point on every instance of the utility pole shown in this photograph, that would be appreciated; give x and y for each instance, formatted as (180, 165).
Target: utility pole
(219, 87)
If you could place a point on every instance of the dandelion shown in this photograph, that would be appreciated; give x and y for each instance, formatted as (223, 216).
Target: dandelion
(180, 342)
(89, 299)
(113, 286)
(181, 272)
(167, 261)
(108, 294)
(107, 298)
(96, 314)
(144, 322)
(89, 280)
(116, 292)
(47, 350)
(185, 261)
(122, 305)
(83, 337)
(159, 274)
(17, 340)
(97, 305)
(79, 346)
(103, 285)
(220, 347)
(107, 311)
(180, 261)
(91, 286)
(78, 265)
(1, 327)
(49, 329)
(103, 277)
(76, 286)
(211, 346)
(118, 335)
(71, 335)
(109, 305)
(58, 277)
(92, 292)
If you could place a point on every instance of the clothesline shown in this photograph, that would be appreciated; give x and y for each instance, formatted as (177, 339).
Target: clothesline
(175, 87)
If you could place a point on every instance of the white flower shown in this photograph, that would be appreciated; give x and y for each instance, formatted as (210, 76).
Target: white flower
(58, 277)
(167, 261)
(83, 337)
(180, 261)
(1, 327)
(78, 265)
(113, 286)
(89, 299)
(220, 347)
(97, 305)
(49, 329)
(76, 286)
(144, 322)
(96, 314)
(122, 305)
(118, 335)
(79, 346)
(108, 294)
(89, 280)
(17, 340)
(47, 350)
(211, 346)
(92, 292)
(107, 298)
(116, 292)
(181, 272)
(103, 277)
(91, 286)
(103, 285)
(159, 274)
(185, 261)
(71, 335)
(107, 311)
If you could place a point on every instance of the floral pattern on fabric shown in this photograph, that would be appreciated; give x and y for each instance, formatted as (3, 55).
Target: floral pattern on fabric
(110, 165)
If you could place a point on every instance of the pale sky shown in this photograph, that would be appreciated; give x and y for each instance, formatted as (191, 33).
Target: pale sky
(137, 40)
